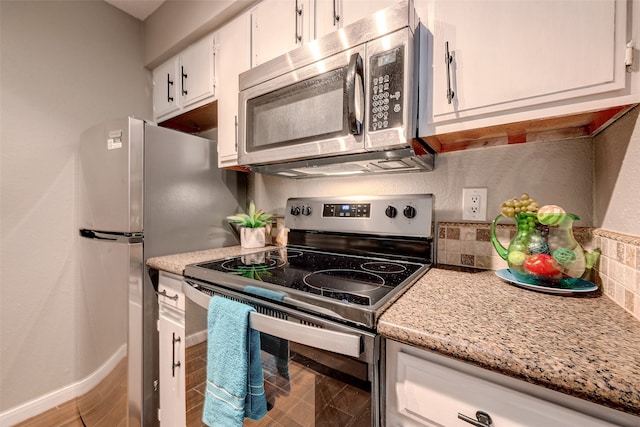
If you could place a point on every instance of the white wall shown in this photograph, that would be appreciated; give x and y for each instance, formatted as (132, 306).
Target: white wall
(558, 172)
(66, 65)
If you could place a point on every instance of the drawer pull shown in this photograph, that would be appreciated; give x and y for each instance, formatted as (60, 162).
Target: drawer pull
(163, 293)
(482, 419)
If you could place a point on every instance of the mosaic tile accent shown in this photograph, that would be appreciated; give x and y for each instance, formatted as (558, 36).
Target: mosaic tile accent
(617, 271)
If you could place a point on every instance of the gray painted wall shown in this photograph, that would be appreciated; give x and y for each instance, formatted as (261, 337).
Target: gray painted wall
(617, 176)
(558, 172)
(66, 65)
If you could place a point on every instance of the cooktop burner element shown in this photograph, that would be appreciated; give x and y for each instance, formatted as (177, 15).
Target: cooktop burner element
(346, 259)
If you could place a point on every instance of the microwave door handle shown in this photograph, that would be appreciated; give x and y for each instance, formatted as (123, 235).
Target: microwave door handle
(355, 94)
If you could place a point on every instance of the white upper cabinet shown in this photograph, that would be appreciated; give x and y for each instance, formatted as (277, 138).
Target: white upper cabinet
(186, 81)
(235, 57)
(331, 15)
(165, 99)
(510, 60)
(278, 26)
(198, 72)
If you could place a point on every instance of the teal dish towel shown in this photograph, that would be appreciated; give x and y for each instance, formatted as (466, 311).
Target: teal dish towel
(266, 293)
(235, 383)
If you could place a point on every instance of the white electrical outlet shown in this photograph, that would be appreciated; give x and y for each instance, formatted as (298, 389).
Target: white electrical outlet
(474, 204)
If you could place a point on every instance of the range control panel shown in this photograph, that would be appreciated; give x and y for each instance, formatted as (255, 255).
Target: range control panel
(401, 215)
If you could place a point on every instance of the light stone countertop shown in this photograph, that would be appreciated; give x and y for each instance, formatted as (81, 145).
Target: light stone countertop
(584, 346)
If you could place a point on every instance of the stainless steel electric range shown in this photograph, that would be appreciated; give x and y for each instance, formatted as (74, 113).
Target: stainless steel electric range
(347, 259)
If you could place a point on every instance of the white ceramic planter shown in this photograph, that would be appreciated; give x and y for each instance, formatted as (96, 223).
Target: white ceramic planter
(252, 237)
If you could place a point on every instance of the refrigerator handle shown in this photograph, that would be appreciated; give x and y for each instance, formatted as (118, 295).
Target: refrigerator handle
(113, 237)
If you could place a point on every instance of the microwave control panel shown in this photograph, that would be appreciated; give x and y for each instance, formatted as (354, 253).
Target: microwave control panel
(386, 72)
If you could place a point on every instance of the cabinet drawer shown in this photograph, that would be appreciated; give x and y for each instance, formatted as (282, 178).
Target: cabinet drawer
(170, 291)
(429, 394)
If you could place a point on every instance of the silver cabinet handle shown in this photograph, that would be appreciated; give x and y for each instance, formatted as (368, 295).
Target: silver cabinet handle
(236, 132)
(174, 364)
(482, 419)
(448, 59)
(298, 18)
(166, 295)
(336, 16)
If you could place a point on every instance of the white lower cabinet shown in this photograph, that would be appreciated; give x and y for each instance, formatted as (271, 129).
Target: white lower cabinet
(426, 389)
(171, 335)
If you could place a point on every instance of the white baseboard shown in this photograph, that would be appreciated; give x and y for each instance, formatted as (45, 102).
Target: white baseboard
(196, 338)
(37, 406)
(62, 395)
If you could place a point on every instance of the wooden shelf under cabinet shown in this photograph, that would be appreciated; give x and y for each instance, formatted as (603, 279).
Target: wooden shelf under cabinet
(198, 120)
(548, 129)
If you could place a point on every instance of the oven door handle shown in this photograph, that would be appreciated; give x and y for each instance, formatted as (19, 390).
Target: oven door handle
(325, 339)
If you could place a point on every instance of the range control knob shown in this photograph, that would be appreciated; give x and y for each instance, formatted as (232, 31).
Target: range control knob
(295, 210)
(391, 211)
(409, 212)
(306, 210)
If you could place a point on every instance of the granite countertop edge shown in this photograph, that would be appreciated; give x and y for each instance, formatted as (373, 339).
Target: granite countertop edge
(584, 346)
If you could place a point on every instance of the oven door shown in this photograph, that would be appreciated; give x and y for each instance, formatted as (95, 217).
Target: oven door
(316, 372)
(314, 111)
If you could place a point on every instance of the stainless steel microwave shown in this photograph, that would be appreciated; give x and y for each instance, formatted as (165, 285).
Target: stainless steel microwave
(346, 103)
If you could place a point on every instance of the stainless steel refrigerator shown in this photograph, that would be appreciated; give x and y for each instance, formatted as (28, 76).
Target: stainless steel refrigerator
(144, 191)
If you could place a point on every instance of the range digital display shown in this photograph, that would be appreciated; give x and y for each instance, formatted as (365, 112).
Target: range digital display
(347, 210)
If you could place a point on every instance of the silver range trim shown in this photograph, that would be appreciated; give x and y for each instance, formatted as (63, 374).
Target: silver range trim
(293, 327)
(359, 316)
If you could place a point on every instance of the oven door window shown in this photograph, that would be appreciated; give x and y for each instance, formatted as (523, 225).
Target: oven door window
(308, 110)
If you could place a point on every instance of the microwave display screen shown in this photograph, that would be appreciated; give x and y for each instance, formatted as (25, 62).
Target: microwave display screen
(388, 58)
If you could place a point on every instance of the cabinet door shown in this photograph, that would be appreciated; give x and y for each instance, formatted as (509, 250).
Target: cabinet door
(436, 395)
(423, 392)
(165, 88)
(331, 15)
(328, 17)
(172, 377)
(512, 54)
(235, 58)
(197, 71)
(278, 26)
(353, 11)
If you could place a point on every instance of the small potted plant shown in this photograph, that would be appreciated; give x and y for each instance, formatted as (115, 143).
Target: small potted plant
(252, 226)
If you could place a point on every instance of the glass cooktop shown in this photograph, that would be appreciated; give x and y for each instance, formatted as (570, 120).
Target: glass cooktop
(347, 278)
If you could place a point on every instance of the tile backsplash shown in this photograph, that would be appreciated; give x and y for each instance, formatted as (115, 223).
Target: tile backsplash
(617, 272)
